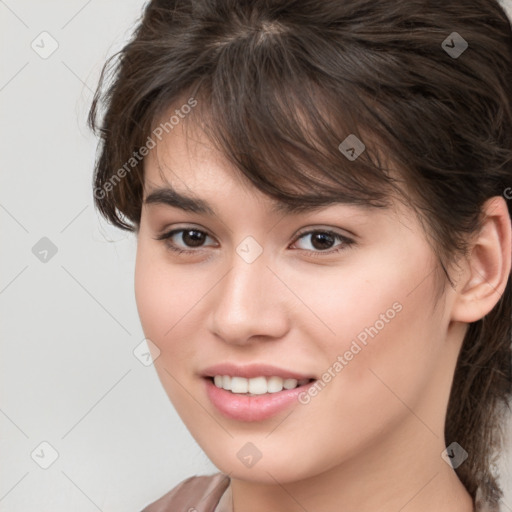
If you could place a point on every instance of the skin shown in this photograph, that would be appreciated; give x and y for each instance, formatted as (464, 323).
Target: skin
(372, 438)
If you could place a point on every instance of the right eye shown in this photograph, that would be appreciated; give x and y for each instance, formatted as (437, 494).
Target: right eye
(192, 236)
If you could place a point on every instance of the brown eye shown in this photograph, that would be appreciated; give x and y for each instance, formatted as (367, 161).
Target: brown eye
(193, 237)
(321, 241)
(190, 238)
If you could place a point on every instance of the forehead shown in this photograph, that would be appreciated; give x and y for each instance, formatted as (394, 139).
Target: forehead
(185, 170)
(185, 156)
(193, 176)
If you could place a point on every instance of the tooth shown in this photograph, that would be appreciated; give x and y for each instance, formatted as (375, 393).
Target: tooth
(290, 383)
(258, 385)
(226, 382)
(274, 384)
(239, 385)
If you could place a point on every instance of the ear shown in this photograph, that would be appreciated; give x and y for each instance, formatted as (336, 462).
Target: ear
(486, 270)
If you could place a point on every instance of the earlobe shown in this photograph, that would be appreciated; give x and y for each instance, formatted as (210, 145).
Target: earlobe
(487, 268)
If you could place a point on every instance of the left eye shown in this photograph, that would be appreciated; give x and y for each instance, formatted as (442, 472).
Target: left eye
(321, 240)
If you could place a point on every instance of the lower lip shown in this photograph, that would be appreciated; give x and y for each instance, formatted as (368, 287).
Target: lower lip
(252, 408)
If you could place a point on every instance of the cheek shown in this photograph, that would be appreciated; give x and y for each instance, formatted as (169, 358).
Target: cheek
(372, 324)
(162, 300)
(158, 304)
(361, 304)
(169, 304)
(149, 297)
(390, 345)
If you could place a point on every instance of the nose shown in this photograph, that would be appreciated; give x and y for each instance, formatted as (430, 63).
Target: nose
(249, 303)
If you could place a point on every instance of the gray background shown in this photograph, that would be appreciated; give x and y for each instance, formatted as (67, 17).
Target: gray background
(68, 373)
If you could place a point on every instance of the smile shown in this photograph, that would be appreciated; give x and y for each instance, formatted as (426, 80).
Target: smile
(257, 385)
(254, 407)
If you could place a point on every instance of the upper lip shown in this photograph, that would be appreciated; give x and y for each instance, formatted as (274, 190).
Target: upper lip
(252, 370)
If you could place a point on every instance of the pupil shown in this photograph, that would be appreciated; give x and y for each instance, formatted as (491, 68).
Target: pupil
(196, 239)
(323, 238)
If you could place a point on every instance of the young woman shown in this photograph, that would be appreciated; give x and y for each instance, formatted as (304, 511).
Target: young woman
(321, 194)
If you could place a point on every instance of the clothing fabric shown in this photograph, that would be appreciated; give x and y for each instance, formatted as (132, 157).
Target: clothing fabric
(212, 493)
(206, 493)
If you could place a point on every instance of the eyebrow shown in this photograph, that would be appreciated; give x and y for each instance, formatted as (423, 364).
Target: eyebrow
(170, 197)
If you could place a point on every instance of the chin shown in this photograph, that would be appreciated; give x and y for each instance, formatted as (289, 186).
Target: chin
(283, 468)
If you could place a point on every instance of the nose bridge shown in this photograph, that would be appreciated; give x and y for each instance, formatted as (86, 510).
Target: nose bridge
(247, 301)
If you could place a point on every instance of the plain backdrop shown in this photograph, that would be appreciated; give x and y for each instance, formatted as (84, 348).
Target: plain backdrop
(75, 398)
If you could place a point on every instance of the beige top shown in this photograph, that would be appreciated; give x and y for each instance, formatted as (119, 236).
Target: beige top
(212, 493)
(208, 493)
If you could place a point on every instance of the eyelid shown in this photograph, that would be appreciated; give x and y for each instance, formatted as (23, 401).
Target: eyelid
(345, 233)
(169, 233)
(303, 231)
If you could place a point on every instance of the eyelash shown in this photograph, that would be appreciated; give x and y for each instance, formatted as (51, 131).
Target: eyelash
(346, 242)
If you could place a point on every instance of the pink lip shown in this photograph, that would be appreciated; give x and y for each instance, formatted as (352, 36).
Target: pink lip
(251, 408)
(252, 370)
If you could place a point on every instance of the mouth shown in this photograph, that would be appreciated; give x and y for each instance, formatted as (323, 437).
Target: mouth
(255, 399)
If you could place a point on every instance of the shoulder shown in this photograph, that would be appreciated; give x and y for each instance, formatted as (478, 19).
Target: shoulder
(195, 494)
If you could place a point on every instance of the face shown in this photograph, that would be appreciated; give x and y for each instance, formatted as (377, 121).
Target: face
(343, 295)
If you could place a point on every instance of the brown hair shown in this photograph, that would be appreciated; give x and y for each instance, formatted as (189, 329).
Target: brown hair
(279, 84)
